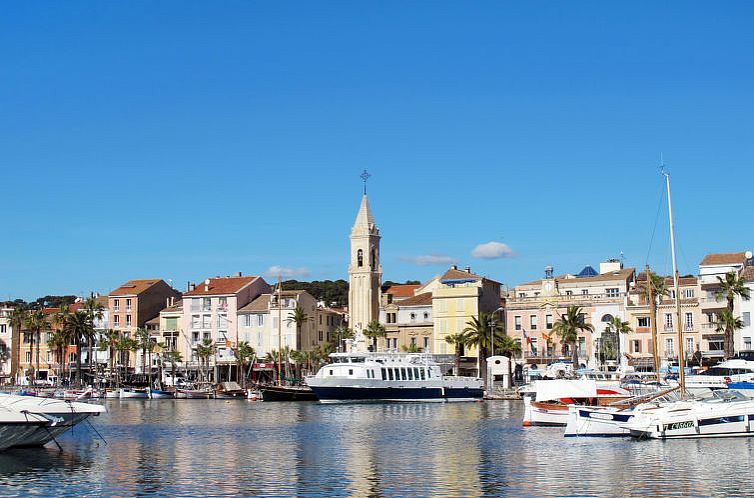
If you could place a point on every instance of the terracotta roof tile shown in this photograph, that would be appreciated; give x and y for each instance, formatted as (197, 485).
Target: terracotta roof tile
(134, 287)
(177, 306)
(260, 304)
(572, 279)
(405, 290)
(220, 286)
(454, 274)
(420, 300)
(748, 274)
(724, 258)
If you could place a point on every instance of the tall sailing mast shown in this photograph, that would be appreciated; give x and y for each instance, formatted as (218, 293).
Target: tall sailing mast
(280, 330)
(681, 353)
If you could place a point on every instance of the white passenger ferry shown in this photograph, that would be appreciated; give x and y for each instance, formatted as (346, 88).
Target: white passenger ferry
(390, 377)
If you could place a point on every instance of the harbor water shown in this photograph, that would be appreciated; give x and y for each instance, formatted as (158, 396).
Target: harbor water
(243, 448)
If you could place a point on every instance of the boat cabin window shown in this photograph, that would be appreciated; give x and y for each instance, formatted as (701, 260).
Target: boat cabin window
(350, 371)
(384, 373)
(410, 374)
(429, 373)
(357, 359)
(416, 373)
(390, 373)
(403, 374)
(331, 371)
(421, 371)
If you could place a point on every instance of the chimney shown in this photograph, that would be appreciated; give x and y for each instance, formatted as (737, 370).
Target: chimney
(188, 286)
(468, 269)
(454, 267)
(167, 302)
(206, 285)
(192, 286)
(239, 274)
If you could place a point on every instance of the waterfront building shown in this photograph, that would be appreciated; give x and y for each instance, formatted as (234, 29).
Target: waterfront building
(137, 301)
(637, 346)
(262, 321)
(364, 274)
(6, 344)
(396, 293)
(457, 297)
(532, 309)
(716, 265)
(210, 312)
(408, 321)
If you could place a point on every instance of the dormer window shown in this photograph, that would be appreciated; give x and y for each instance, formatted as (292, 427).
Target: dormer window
(360, 258)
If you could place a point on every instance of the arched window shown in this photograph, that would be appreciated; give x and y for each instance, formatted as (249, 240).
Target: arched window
(360, 258)
(607, 318)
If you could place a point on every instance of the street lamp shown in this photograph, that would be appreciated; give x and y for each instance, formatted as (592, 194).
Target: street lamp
(492, 330)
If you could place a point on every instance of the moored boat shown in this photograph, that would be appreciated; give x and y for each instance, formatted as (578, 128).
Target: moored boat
(160, 394)
(287, 393)
(549, 405)
(359, 377)
(18, 428)
(130, 393)
(195, 393)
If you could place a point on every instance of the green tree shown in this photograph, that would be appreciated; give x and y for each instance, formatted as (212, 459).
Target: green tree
(125, 346)
(617, 326)
(728, 288)
(568, 326)
(146, 344)
(36, 321)
(374, 330)
(342, 333)
(659, 287)
(458, 341)
(57, 343)
(204, 351)
(173, 357)
(299, 318)
(77, 326)
(244, 354)
(109, 343)
(16, 320)
(728, 324)
(95, 311)
(482, 333)
(412, 348)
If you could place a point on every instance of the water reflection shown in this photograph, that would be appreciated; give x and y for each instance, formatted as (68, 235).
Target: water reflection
(210, 447)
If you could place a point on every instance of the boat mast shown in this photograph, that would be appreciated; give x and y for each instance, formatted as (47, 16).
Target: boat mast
(653, 323)
(681, 358)
(280, 330)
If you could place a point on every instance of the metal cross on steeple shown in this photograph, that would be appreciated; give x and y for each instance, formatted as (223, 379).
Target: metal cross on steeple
(364, 177)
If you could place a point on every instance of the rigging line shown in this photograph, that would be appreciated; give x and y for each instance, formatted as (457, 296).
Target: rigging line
(657, 219)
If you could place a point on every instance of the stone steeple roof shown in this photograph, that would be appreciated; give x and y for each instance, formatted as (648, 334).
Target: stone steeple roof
(364, 220)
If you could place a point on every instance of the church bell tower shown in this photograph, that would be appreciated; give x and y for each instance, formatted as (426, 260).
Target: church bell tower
(364, 272)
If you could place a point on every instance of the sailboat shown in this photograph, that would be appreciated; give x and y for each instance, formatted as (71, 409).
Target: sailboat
(726, 413)
(281, 392)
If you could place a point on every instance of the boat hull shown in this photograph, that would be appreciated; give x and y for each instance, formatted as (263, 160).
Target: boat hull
(596, 422)
(397, 394)
(537, 413)
(283, 393)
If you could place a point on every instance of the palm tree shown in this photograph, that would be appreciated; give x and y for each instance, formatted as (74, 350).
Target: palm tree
(78, 325)
(659, 287)
(342, 332)
(457, 341)
(57, 342)
(412, 348)
(299, 317)
(374, 330)
(243, 353)
(16, 320)
(146, 344)
(568, 326)
(126, 345)
(479, 333)
(109, 343)
(509, 348)
(728, 323)
(95, 311)
(36, 321)
(173, 357)
(730, 287)
(617, 326)
(204, 350)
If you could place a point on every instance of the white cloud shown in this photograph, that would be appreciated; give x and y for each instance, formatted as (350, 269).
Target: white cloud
(275, 271)
(492, 250)
(430, 260)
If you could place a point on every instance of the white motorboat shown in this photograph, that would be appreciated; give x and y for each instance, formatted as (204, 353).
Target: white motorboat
(607, 421)
(359, 377)
(721, 375)
(549, 405)
(16, 428)
(65, 414)
(129, 393)
(726, 413)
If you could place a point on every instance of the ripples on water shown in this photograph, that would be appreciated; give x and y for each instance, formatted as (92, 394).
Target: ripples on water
(240, 448)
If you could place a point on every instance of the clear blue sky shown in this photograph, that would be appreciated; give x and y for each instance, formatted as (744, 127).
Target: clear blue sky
(183, 140)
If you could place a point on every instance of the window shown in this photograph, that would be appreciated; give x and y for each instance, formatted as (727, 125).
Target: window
(533, 322)
(669, 347)
(746, 318)
(116, 304)
(128, 320)
(116, 320)
(534, 349)
(582, 317)
(49, 356)
(422, 373)
(688, 293)
(403, 374)
(747, 343)
(413, 317)
(360, 259)
(643, 322)
(247, 320)
(548, 322)
(222, 321)
(350, 371)
(716, 345)
(584, 292)
(321, 336)
(636, 346)
(689, 345)
(207, 336)
(206, 321)
(426, 344)
(128, 305)
(2, 329)
(460, 304)
(28, 357)
(206, 304)
(612, 292)
(410, 374)
(413, 341)
(390, 374)
(689, 322)
(668, 321)
(384, 373)
(426, 315)
(671, 293)
(569, 293)
(260, 320)
(222, 304)
(517, 321)
(522, 295)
